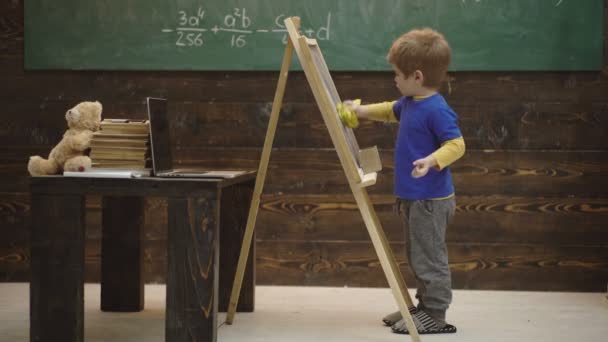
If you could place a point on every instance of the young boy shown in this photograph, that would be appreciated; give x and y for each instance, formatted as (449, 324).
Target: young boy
(428, 141)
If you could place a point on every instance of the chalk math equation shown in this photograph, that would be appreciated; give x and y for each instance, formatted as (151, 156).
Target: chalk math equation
(237, 27)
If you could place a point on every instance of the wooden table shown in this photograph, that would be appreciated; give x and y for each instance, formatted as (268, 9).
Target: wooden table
(206, 222)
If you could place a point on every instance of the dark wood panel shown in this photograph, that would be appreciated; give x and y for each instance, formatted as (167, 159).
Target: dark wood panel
(492, 219)
(155, 218)
(605, 70)
(516, 173)
(531, 173)
(481, 266)
(534, 125)
(20, 129)
(569, 87)
(484, 219)
(128, 87)
(229, 86)
(315, 171)
(15, 218)
(15, 263)
(154, 260)
(11, 27)
(322, 263)
(485, 125)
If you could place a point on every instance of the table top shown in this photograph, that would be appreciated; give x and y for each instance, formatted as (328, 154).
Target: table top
(143, 186)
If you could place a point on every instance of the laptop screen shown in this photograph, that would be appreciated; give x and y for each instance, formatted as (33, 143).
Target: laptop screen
(159, 135)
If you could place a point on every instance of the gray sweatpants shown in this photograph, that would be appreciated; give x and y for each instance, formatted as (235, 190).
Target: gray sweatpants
(425, 223)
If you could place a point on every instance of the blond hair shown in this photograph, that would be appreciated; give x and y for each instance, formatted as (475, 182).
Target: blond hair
(422, 49)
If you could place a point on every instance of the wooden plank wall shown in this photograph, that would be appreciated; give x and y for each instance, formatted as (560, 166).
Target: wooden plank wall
(532, 196)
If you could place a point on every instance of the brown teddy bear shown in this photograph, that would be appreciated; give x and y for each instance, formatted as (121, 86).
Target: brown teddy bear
(69, 155)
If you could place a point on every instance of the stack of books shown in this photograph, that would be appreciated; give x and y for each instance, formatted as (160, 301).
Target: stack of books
(121, 144)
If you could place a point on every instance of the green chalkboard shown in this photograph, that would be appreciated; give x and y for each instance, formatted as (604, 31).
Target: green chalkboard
(354, 34)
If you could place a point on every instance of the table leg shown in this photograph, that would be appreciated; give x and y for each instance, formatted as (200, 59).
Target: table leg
(234, 208)
(192, 269)
(122, 279)
(57, 268)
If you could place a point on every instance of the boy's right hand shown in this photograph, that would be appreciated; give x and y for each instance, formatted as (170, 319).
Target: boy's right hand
(352, 104)
(348, 112)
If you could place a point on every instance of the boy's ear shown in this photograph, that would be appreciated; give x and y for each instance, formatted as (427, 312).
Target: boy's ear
(419, 76)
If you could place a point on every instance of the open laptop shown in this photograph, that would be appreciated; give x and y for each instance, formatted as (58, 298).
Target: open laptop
(160, 144)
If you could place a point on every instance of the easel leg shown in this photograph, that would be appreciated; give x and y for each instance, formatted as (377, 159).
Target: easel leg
(259, 183)
(387, 259)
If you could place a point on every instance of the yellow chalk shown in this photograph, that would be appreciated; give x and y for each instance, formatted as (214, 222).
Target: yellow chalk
(347, 116)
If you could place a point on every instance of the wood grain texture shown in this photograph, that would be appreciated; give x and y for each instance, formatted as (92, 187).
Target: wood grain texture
(11, 27)
(496, 219)
(193, 265)
(485, 124)
(498, 266)
(491, 172)
(493, 219)
(484, 222)
(491, 266)
(315, 171)
(57, 269)
(122, 282)
(233, 221)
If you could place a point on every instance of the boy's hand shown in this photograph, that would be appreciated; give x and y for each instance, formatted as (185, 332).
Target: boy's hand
(352, 105)
(422, 166)
(347, 111)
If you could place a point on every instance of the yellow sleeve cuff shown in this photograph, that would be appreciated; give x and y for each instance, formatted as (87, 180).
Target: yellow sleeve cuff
(449, 152)
(381, 111)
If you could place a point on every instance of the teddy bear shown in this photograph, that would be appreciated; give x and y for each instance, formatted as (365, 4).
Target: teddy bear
(69, 155)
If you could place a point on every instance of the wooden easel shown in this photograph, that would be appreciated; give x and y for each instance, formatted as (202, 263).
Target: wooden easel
(325, 93)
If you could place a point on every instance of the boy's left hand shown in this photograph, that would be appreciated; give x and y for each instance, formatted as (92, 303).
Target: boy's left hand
(422, 166)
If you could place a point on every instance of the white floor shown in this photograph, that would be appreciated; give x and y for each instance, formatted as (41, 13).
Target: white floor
(341, 314)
